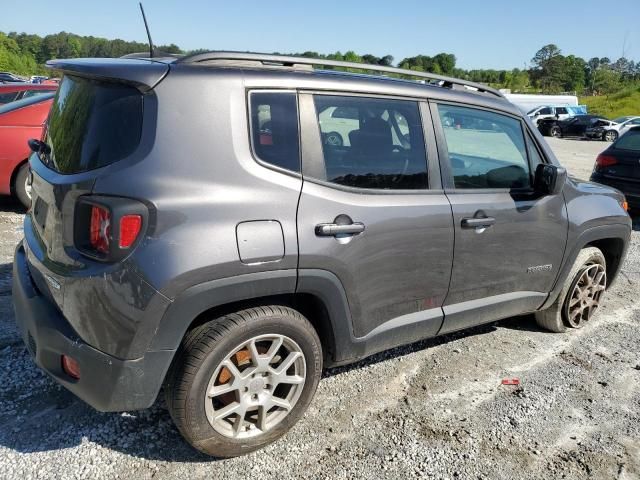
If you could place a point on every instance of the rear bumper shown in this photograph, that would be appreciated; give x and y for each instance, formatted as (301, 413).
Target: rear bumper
(106, 383)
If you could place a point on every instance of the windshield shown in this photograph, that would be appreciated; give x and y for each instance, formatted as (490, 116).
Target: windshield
(93, 124)
(621, 119)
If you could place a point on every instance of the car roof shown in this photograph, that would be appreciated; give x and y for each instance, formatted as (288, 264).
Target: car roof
(295, 71)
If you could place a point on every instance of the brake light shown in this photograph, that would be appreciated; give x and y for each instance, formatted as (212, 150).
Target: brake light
(605, 161)
(100, 229)
(107, 228)
(130, 226)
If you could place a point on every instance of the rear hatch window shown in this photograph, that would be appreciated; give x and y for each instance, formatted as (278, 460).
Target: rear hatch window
(92, 124)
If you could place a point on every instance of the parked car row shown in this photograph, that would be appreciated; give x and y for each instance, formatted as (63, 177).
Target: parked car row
(590, 126)
(8, 77)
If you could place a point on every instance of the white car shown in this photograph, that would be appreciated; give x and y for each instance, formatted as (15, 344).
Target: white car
(336, 124)
(559, 112)
(619, 126)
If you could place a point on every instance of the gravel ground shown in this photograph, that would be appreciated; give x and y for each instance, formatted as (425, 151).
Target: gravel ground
(435, 409)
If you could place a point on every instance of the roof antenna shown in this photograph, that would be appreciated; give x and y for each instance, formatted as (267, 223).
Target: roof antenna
(144, 17)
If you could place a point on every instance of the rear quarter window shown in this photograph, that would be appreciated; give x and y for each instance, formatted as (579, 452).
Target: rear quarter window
(274, 128)
(93, 124)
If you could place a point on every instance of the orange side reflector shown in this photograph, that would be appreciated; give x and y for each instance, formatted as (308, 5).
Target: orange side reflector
(71, 367)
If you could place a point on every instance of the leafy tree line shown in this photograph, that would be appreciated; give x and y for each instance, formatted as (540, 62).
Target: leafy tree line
(550, 72)
(26, 54)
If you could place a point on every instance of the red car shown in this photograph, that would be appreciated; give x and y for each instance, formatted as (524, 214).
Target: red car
(10, 92)
(20, 121)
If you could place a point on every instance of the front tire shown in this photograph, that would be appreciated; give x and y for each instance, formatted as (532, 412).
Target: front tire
(610, 136)
(240, 382)
(580, 296)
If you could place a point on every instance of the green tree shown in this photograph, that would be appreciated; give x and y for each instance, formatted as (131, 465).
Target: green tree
(548, 68)
(606, 81)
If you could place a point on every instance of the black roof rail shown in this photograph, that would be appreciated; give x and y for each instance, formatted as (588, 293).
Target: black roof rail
(288, 60)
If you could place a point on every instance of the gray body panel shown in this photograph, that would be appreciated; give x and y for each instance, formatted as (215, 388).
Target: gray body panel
(399, 265)
(225, 228)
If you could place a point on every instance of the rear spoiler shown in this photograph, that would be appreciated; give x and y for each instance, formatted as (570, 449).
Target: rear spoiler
(144, 74)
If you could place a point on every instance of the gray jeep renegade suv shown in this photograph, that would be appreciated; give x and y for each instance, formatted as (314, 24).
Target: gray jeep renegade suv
(225, 225)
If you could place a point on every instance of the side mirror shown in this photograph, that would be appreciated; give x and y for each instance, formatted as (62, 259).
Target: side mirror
(38, 147)
(536, 114)
(549, 179)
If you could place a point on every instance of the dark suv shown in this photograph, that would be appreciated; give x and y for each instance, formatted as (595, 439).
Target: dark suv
(195, 223)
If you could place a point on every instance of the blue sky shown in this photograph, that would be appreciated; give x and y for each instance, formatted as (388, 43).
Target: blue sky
(481, 33)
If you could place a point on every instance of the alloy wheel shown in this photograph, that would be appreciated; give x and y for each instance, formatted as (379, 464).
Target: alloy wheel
(256, 386)
(585, 295)
(610, 136)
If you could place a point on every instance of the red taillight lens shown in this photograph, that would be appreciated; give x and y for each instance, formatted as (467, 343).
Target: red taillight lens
(605, 161)
(100, 229)
(129, 229)
(71, 367)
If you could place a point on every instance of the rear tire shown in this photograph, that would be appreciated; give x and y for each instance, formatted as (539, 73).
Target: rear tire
(232, 363)
(555, 132)
(21, 187)
(333, 139)
(558, 317)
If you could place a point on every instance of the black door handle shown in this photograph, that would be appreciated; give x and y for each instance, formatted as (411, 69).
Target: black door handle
(478, 222)
(333, 229)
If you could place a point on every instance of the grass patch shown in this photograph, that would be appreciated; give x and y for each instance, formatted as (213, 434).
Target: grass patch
(624, 102)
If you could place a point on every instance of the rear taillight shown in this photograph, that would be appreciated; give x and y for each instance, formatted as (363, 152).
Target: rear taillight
(130, 226)
(107, 228)
(100, 229)
(604, 161)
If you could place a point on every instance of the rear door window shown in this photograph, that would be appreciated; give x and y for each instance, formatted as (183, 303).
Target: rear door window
(373, 143)
(93, 124)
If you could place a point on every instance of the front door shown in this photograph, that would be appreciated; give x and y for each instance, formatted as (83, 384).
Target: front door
(373, 214)
(508, 242)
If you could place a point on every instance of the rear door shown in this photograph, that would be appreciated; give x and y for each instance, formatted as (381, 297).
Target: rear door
(508, 242)
(372, 211)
